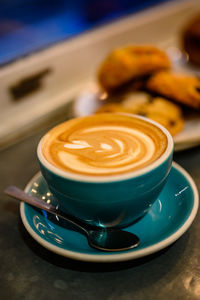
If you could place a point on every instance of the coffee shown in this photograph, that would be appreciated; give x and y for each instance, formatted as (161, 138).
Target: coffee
(104, 144)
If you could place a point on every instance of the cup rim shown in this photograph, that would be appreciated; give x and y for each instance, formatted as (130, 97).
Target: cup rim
(112, 178)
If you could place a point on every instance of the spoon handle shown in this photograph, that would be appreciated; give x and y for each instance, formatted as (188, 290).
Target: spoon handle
(19, 194)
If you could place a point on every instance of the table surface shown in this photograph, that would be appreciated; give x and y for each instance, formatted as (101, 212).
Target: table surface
(28, 271)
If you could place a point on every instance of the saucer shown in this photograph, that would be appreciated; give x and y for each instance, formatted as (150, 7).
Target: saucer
(169, 217)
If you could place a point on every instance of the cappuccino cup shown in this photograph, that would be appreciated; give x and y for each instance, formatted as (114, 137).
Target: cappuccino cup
(106, 169)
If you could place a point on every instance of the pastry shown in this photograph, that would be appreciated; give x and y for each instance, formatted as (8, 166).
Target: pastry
(158, 109)
(191, 40)
(129, 63)
(179, 87)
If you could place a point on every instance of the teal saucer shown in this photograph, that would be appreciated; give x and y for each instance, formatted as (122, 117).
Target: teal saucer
(169, 217)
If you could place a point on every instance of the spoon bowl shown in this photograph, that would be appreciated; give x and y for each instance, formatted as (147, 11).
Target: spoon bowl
(104, 239)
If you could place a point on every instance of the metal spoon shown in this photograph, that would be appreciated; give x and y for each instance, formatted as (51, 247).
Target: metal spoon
(105, 239)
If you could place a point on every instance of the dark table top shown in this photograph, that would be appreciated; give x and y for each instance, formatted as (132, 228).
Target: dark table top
(28, 271)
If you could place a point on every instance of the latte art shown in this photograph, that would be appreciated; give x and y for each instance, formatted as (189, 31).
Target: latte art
(106, 144)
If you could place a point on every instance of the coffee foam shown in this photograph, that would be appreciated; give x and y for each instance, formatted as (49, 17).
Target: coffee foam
(103, 145)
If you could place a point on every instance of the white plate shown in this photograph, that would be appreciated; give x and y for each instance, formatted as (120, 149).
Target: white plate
(87, 103)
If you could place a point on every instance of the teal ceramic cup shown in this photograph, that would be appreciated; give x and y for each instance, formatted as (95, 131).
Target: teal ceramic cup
(109, 201)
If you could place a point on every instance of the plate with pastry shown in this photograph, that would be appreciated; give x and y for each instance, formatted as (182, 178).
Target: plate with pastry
(141, 79)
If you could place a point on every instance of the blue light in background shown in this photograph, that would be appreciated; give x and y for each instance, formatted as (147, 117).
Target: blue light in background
(27, 25)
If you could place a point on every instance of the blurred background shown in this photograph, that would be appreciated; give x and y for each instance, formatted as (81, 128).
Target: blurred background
(50, 51)
(31, 25)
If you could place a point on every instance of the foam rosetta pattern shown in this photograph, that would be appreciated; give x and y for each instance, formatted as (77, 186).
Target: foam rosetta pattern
(104, 148)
